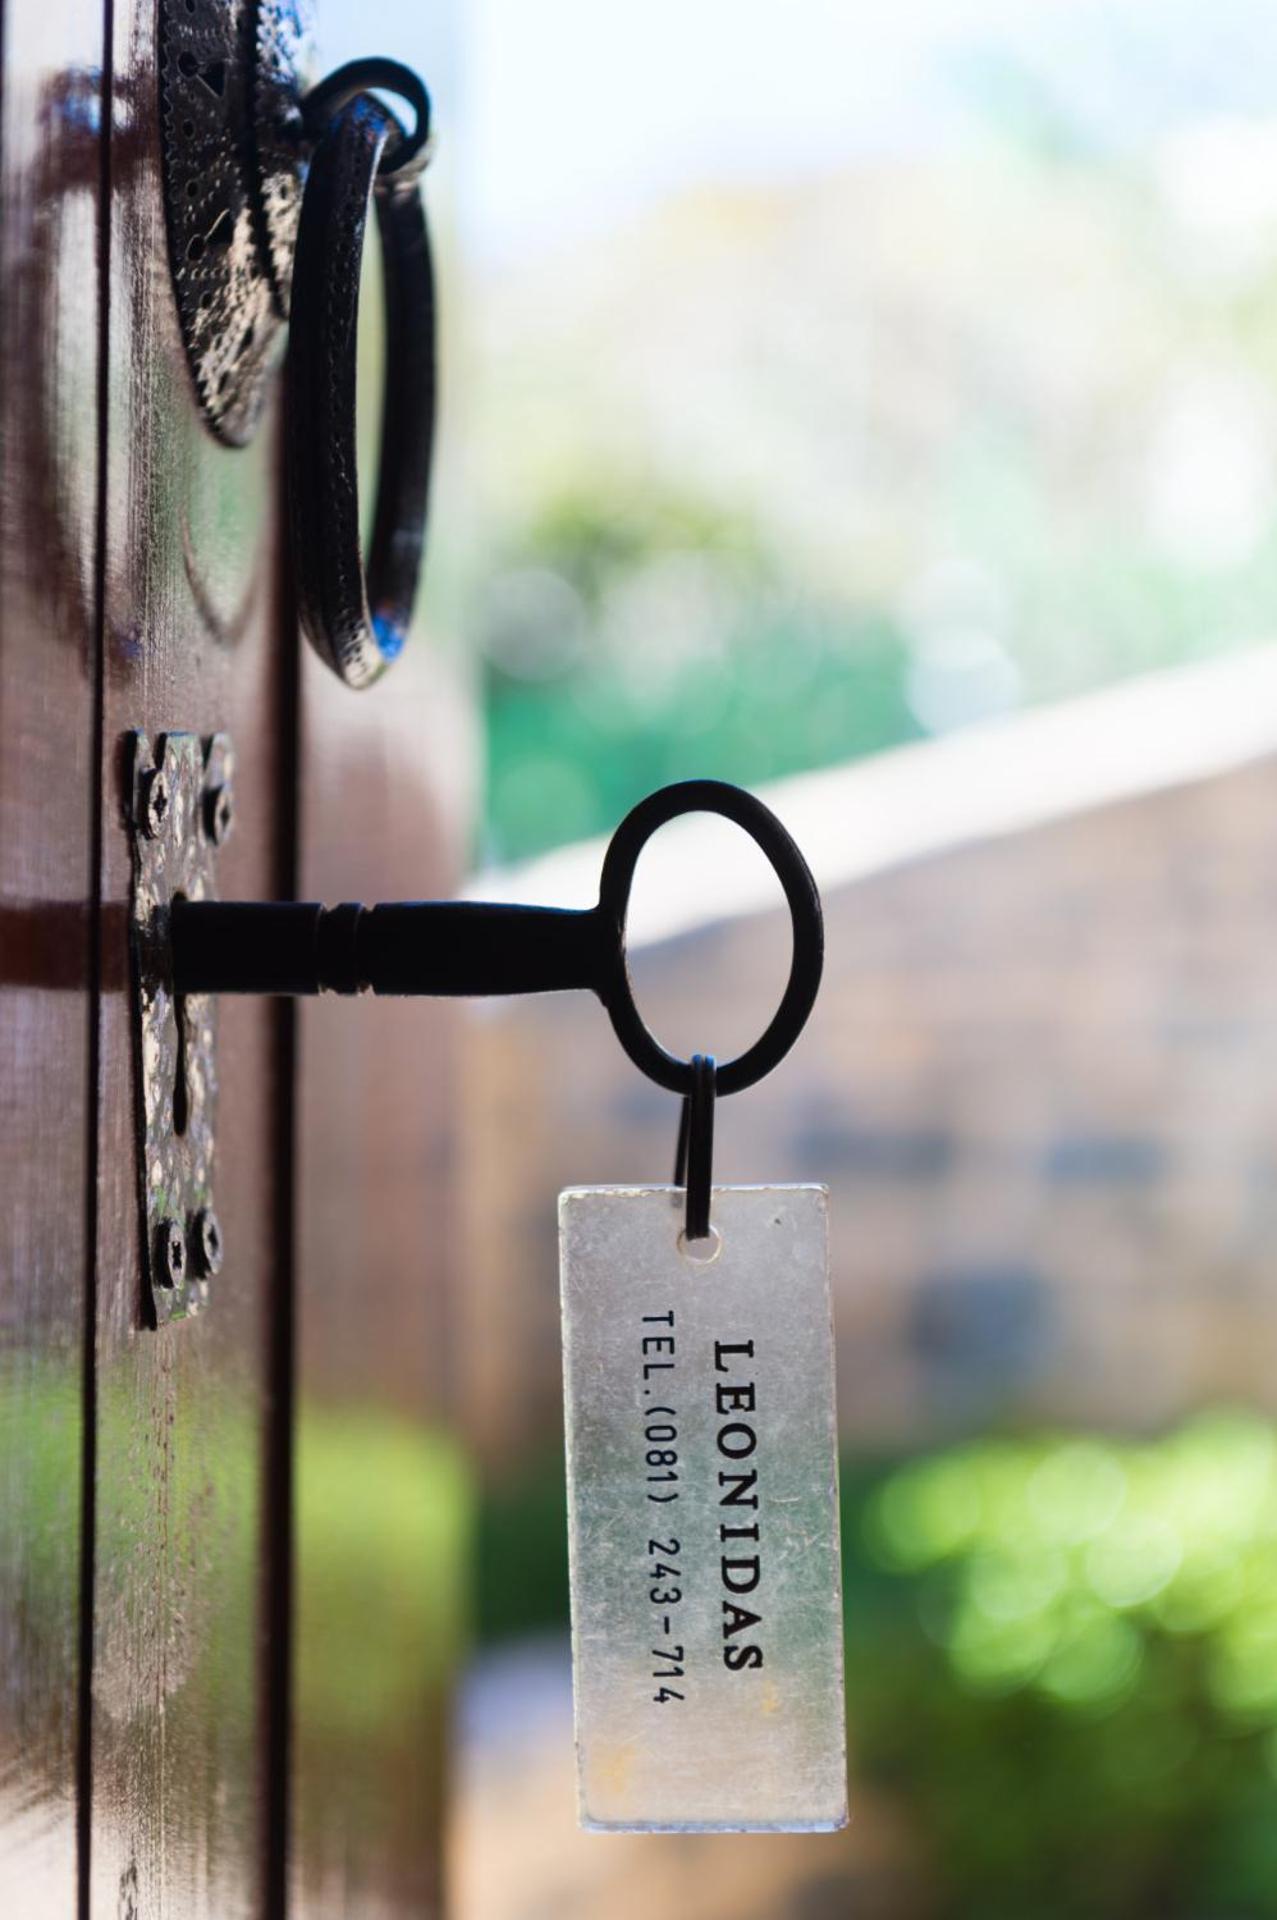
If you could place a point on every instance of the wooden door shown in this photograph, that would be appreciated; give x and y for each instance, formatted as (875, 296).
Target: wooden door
(229, 1547)
(50, 106)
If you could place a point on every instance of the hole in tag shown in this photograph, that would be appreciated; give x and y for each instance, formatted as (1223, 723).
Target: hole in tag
(713, 1247)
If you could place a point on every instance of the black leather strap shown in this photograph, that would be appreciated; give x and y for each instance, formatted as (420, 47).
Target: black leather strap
(358, 618)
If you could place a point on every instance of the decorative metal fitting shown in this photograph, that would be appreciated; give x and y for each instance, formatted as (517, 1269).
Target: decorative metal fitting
(180, 809)
(231, 152)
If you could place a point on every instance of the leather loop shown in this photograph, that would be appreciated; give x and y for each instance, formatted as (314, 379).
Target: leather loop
(694, 1160)
(357, 619)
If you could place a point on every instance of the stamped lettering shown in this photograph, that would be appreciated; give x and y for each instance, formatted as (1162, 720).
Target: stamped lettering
(703, 1520)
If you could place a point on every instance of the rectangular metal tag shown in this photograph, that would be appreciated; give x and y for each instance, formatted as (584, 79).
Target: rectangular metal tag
(703, 1512)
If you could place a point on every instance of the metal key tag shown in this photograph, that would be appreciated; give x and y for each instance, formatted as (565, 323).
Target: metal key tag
(703, 1512)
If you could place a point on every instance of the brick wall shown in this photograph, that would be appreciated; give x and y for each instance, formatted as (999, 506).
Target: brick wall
(1041, 1084)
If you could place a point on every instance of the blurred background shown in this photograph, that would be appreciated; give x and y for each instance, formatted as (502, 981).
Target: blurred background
(878, 407)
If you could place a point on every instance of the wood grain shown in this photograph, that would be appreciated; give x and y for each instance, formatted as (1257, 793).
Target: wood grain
(382, 1511)
(162, 610)
(192, 545)
(49, 335)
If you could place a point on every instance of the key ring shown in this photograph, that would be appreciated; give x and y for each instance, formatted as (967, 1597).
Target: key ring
(357, 617)
(616, 989)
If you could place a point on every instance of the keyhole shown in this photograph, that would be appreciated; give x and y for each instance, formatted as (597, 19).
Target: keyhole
(181, 1094)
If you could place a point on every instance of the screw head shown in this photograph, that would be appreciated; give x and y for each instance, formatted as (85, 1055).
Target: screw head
(170, 1253)
(206, 1237)
(156, 802)
(219, 814)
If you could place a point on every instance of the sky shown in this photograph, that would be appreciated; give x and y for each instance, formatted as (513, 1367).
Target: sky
(557, 116)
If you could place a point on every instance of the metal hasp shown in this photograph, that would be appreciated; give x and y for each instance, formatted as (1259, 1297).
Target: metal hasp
(180, 811)
(231, 166)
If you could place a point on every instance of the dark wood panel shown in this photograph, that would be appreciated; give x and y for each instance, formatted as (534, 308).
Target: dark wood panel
(382, 1511)
(382, 1506)
(180, 1766)
(49, 330)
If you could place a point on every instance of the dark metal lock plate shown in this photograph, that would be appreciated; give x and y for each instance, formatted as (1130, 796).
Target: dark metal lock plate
(180, 794)
(230, 129)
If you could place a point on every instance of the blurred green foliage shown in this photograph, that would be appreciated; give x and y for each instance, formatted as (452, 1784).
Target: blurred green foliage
(383, 1514)
(634, 636)
(521, 1552)
(383, 1510)
(1061, 1663)
(1000, 406)
(382, 1519)
(1063, 1654)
